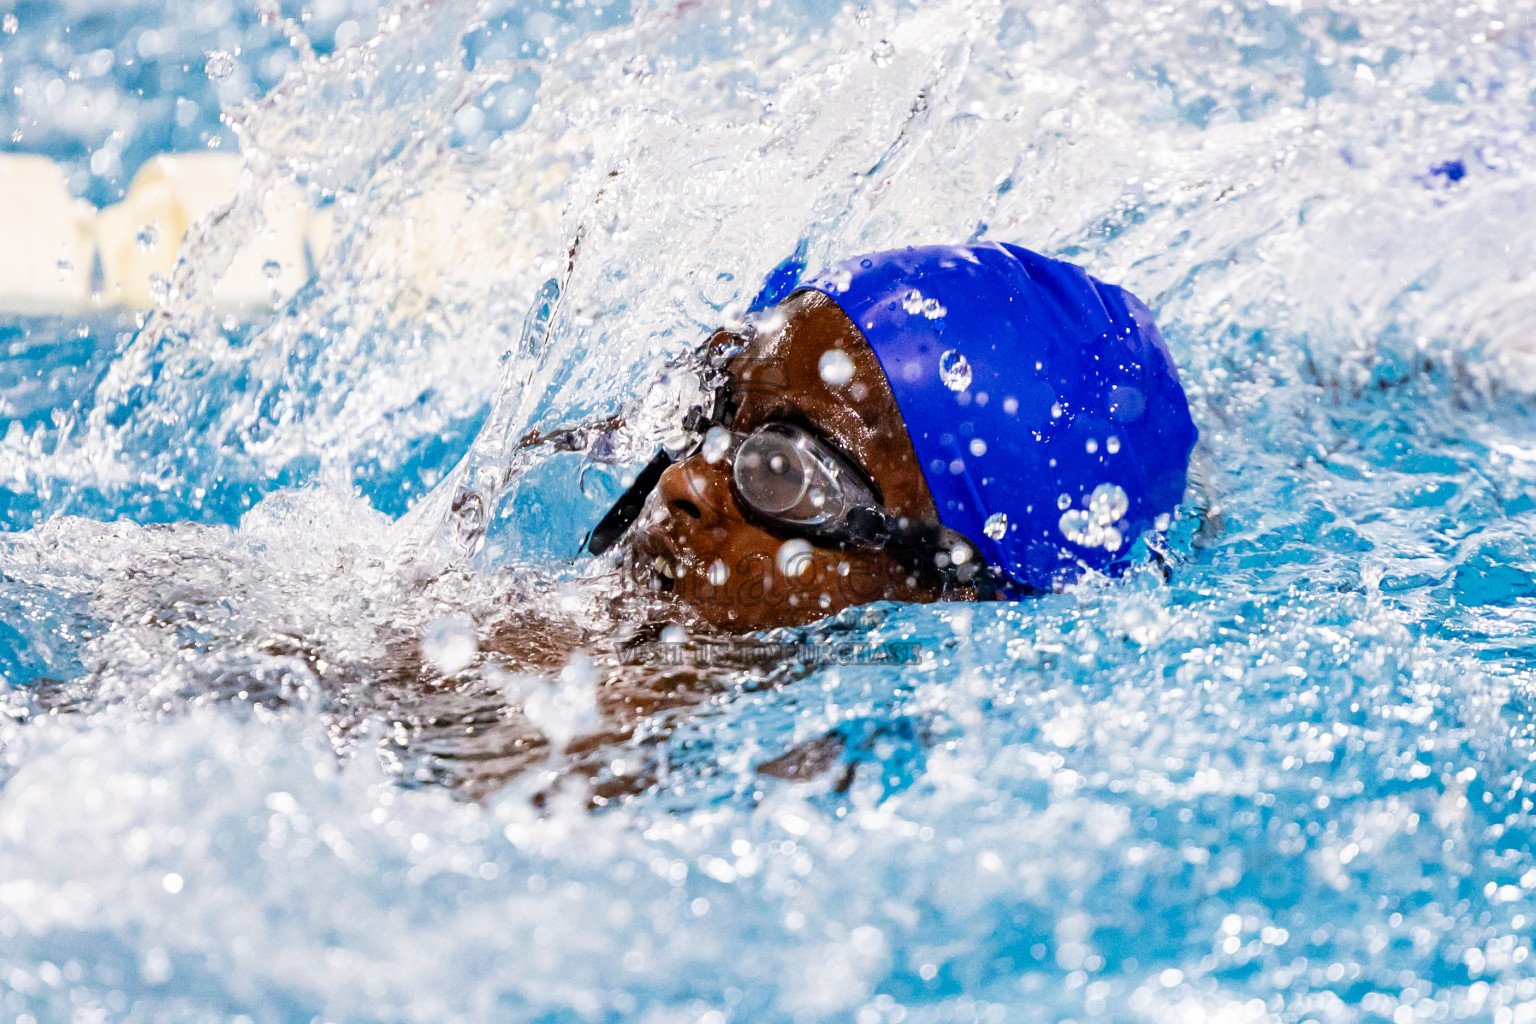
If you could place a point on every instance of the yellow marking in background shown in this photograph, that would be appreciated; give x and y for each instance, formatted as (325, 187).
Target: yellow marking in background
(437, 244)
(49, 242)
(47, 239)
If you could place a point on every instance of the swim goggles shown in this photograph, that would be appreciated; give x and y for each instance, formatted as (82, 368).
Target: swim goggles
(795, 483)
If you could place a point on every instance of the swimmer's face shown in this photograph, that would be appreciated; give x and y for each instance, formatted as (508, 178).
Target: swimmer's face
(696, 542)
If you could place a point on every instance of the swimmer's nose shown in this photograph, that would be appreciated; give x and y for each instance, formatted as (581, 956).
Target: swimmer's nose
(695, 493)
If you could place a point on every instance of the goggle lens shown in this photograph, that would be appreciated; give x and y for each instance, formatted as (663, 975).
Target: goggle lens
(787, 475)
(770, 473)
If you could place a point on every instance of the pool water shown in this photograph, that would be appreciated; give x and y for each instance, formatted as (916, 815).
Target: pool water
(1292, 782)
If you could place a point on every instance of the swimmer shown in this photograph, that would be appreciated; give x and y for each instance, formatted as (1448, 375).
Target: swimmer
(924, 424)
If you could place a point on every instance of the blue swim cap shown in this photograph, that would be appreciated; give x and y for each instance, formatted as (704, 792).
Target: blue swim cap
(1042, 403)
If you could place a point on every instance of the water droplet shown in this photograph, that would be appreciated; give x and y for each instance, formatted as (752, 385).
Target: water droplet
(954, 370)
(842, 279)
(1094, 527)
(469, 120)
(912, 302)
(1074, 524)
(1064, 501)
(1112, 444)
(932, 310)
(835, 367)
(147, 237)
(159, 290)
(978, 447)
(450, 644)
(718, 573)
(1108, 503)
(272, 268)
(996, 525)
(882, 53)
(795, 558)
(1092, 446)
(10, 24)
(65, 267)
(717, 443)
(220, 65)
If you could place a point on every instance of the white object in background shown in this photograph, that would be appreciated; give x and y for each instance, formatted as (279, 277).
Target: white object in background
(140, 236)
(46, 247)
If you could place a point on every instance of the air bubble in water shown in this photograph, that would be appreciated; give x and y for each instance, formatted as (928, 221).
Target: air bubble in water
(220, 65)
(718, 573)
(1112, 444)
(65, 268)
(996, 525)
(272, 268)
(450, 644)
(795, 558)
(835, 367)
(932, 310)
(147, 237)
(882, 53)
(954, 370)
(978, 447)
(912, 302)
(10, 24)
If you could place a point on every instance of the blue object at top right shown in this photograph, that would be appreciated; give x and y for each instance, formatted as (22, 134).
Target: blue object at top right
(1042, 403)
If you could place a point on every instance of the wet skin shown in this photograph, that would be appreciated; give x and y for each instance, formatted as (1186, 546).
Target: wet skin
(693, 520)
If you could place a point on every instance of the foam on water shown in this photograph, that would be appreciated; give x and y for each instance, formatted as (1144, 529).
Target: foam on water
(1292, 783)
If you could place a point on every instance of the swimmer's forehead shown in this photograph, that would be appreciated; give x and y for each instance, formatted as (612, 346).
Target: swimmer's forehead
(783, 371)
(789, 341)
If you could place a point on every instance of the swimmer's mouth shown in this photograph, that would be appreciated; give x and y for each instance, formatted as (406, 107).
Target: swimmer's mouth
(650, 561)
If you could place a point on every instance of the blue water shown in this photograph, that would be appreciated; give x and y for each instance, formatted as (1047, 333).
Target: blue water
(1293, 782)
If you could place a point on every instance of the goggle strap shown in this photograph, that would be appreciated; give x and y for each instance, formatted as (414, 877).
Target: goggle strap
(917, 544)
(626, 510)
